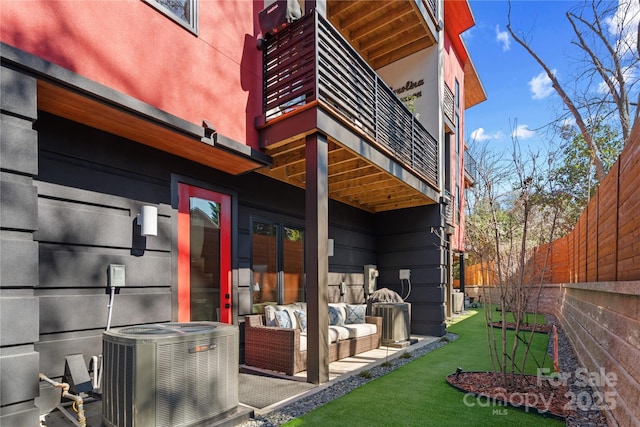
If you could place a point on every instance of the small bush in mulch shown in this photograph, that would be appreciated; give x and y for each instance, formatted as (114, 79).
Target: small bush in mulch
(528, 392)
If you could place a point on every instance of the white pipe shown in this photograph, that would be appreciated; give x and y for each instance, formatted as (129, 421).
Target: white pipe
(113, 293)
(78, 402)
(96, 363)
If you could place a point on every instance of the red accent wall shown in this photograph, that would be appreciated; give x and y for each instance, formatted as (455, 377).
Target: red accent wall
(453, 69)
(133, 48)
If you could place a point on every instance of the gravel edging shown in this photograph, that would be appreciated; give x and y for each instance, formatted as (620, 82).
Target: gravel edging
(341, 387)
(569, 365)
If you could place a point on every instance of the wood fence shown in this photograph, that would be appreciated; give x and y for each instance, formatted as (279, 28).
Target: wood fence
(604, 246)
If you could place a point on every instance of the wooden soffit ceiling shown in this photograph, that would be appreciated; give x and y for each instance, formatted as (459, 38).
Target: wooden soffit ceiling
(382, 31)
(92, 112)
(353, 180)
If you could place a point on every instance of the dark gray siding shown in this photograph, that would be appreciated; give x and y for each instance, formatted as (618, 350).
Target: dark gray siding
(19, 260)
(91, 186)
(410, 238)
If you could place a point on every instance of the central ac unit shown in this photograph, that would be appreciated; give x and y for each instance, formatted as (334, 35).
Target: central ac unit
(396, 321)
(169, 374)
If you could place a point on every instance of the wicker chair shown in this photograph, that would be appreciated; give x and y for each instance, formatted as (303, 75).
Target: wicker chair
(278, 349)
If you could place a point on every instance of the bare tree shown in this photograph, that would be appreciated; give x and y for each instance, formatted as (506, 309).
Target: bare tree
(607, 34)
(513, 207)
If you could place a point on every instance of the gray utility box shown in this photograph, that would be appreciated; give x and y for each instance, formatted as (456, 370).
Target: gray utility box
(396, 322)
(169, 374)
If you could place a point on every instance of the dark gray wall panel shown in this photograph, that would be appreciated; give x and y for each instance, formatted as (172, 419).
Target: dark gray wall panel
(71, 215)
(70, 266)
(18, 145)
(18, 206)
(19, 372)
(427, 293)
(407, 221)
(18, 320)
(53, 352)
(71, 222)
(429, 329)
(81, 312)
(423, 313)
(19, 415)
(18, 93)
(18, 263)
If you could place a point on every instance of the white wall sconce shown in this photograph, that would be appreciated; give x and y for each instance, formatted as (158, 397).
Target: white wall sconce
(330, 247)
(148, 220)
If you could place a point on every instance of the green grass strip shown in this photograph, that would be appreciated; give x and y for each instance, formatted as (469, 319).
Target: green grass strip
(417, 393)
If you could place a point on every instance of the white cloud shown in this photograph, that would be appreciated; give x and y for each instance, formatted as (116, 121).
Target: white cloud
(503, 38)
(479, 135)
(628, 74)
(540, 85)
(624, 24)
(523, 132)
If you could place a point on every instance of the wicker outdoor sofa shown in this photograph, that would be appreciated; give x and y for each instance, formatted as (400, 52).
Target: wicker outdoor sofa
(279, 349)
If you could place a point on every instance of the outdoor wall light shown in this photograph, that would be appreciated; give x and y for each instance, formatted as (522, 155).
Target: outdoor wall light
(330, 247)
(148, 220)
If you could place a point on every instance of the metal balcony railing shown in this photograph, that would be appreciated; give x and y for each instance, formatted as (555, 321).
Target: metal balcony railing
(470, 167)
(310, 61)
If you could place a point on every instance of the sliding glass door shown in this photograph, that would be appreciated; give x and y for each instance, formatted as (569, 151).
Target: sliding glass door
(277, 264)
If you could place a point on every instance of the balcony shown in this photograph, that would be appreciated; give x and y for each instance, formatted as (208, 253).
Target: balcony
(380, 156)
(470, 169)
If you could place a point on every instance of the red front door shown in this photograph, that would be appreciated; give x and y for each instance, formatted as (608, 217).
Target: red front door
(204, 255)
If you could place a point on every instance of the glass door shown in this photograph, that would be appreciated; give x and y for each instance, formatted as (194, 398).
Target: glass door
(204, 255)
(278, 264)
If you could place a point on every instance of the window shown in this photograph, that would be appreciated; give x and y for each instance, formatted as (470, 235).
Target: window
(277, 261)
(184, 12)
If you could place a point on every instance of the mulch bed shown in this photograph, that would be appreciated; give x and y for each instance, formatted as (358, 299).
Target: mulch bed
(528, 392)
(527, 327)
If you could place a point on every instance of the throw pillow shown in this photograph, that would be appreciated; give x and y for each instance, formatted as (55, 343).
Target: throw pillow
(302, 320)
(335, 316)
(283, 320)
(270, 315)
(355, 313)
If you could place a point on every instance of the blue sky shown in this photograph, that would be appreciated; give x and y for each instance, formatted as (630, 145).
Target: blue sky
(518, 95)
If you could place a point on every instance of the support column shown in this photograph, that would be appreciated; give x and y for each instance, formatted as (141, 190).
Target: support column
(463, 279)
(317, 261)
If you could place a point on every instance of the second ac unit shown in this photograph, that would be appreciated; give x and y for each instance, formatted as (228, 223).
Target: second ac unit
(396, 321)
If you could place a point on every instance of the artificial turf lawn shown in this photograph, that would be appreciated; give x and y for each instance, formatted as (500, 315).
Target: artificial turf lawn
(417, 393)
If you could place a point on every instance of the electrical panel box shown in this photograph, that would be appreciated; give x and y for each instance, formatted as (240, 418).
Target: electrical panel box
(405, 274)
(370, 276)
(116, 275)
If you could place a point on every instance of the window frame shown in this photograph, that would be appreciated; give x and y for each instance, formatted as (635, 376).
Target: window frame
(280, 226)
(191, 25)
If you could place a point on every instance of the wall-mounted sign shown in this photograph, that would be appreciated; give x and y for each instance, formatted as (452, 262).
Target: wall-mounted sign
(410, 85)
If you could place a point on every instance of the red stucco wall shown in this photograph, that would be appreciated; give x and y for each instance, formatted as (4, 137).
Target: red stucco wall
(133, 48)
(453, 69)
